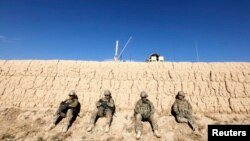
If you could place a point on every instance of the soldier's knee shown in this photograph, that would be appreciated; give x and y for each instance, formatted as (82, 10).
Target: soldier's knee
(70, 112)
(181, 119)
(138, 117)
(152, 117)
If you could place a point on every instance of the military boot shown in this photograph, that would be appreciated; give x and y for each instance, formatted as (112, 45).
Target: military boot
(107, 129)
(157, 134)
(193, 126)
(65, 128)
(90, 127)
(196, 132)
(51, 126)
(138, 135)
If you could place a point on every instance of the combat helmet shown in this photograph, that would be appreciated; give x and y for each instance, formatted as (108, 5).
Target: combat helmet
(143, 94)
(181, 93)
(107, 92)
(72, 93)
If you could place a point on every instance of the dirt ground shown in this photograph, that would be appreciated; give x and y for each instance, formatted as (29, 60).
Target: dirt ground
(31, 125)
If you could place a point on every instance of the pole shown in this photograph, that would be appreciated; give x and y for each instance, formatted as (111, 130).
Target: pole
(116, 50)
(197, 53)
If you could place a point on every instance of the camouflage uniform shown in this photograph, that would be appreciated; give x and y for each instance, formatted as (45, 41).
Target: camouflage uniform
(105, 108)
(102, 111)
(144, 111)
(70, 105)
(183, 111)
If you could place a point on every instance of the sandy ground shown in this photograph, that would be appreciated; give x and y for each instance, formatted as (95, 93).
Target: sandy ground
(30, 125)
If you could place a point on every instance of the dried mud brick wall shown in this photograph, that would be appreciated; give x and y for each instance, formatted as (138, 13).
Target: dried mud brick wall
(211, 87)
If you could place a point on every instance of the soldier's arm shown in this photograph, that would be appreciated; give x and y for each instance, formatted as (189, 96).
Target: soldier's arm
(137, 106)
(73, 104)
(190, 109)
(152, 107)
(175, 108)
(98, 103)
(66, 100)
(111, 103)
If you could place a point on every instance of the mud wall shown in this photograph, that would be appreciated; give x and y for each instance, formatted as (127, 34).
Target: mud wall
(211, 87)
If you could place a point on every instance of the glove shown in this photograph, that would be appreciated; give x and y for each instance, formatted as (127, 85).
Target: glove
(98, 104)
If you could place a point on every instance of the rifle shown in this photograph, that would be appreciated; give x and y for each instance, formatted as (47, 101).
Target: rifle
(104, 105)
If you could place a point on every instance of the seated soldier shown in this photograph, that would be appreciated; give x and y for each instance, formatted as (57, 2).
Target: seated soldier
(67, 108)
(183, 110)
(105, 107)
(144, 111)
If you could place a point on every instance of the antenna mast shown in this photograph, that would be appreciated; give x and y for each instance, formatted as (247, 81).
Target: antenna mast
(116, 51)
(125, 46)
(197, 53)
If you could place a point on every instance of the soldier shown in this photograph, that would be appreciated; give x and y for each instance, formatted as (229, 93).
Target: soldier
(67, 108)
(183, 110)
(144, 111)
(105, 107)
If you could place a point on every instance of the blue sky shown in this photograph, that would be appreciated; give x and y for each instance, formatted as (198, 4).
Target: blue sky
(88, 29)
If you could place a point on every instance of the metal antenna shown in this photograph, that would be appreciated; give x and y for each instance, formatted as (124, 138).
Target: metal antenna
(125, 46)
(116, 50)
(197, 53)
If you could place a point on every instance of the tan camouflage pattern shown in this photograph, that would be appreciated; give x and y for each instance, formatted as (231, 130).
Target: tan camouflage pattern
(183, 111)
(101, 112)
(144, 111)
(73, 103)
